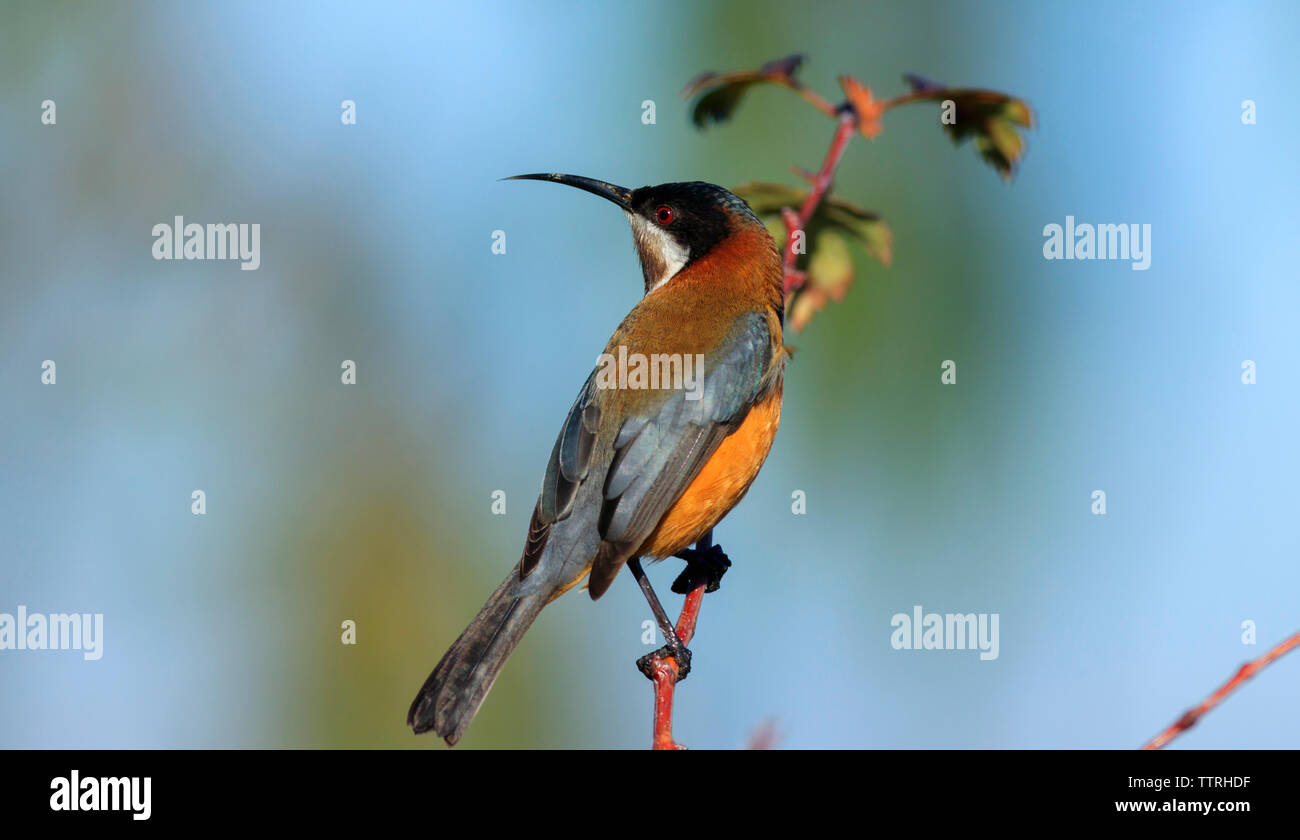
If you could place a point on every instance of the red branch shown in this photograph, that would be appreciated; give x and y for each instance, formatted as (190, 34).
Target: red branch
(665, 667)
(1250, 669)
(821, 183)
(665, 673)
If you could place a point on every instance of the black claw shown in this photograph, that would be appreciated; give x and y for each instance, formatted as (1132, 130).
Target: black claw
(703, 565)
(683, 657)
(681, 654)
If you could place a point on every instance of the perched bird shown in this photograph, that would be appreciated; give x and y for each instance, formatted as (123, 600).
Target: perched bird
(642, 471)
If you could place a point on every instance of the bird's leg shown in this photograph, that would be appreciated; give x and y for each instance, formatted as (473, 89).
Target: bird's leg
(705, 564)
(674, 646)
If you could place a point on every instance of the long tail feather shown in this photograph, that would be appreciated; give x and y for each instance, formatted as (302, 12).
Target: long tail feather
(452, 694)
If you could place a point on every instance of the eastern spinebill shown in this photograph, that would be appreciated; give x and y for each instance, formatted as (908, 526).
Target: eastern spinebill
(642, 472)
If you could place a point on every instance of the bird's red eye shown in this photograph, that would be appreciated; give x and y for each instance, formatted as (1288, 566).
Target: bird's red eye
(664, 215)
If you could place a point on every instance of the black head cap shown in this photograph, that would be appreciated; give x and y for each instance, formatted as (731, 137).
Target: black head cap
(673, 224)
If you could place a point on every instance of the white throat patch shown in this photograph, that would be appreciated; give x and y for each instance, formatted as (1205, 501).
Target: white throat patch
(662, 256)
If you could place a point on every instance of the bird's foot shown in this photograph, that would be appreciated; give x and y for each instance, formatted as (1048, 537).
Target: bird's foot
(703, 565)
(652, 662)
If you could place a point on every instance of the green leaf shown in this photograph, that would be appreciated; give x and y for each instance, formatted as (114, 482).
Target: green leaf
(832, 214)
(828, 261)
(992, 120)
(719, 93)
(766, 197)
(830, 266)
(867, 227)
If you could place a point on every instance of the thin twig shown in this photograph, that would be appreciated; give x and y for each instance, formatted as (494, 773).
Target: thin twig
(665, 673)
(765, 737)
(664, 668)
(809, 95)
(1250, 669)
(821, 184)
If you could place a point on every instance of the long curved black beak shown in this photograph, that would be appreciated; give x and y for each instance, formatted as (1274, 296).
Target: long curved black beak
(621, 196)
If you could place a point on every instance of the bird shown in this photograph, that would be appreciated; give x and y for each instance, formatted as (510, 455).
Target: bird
(642, 472)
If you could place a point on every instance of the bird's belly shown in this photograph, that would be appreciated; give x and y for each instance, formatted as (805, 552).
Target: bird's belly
(721, 483)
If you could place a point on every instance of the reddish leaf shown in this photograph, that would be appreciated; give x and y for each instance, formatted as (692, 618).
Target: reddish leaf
(864, 105)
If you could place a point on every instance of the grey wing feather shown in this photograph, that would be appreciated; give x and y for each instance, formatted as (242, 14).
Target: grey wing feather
(580, 516)
(571, 457)
(657, 457)
(570, 461)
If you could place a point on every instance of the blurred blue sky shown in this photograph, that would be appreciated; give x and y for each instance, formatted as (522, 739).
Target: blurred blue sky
(1072, 376)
